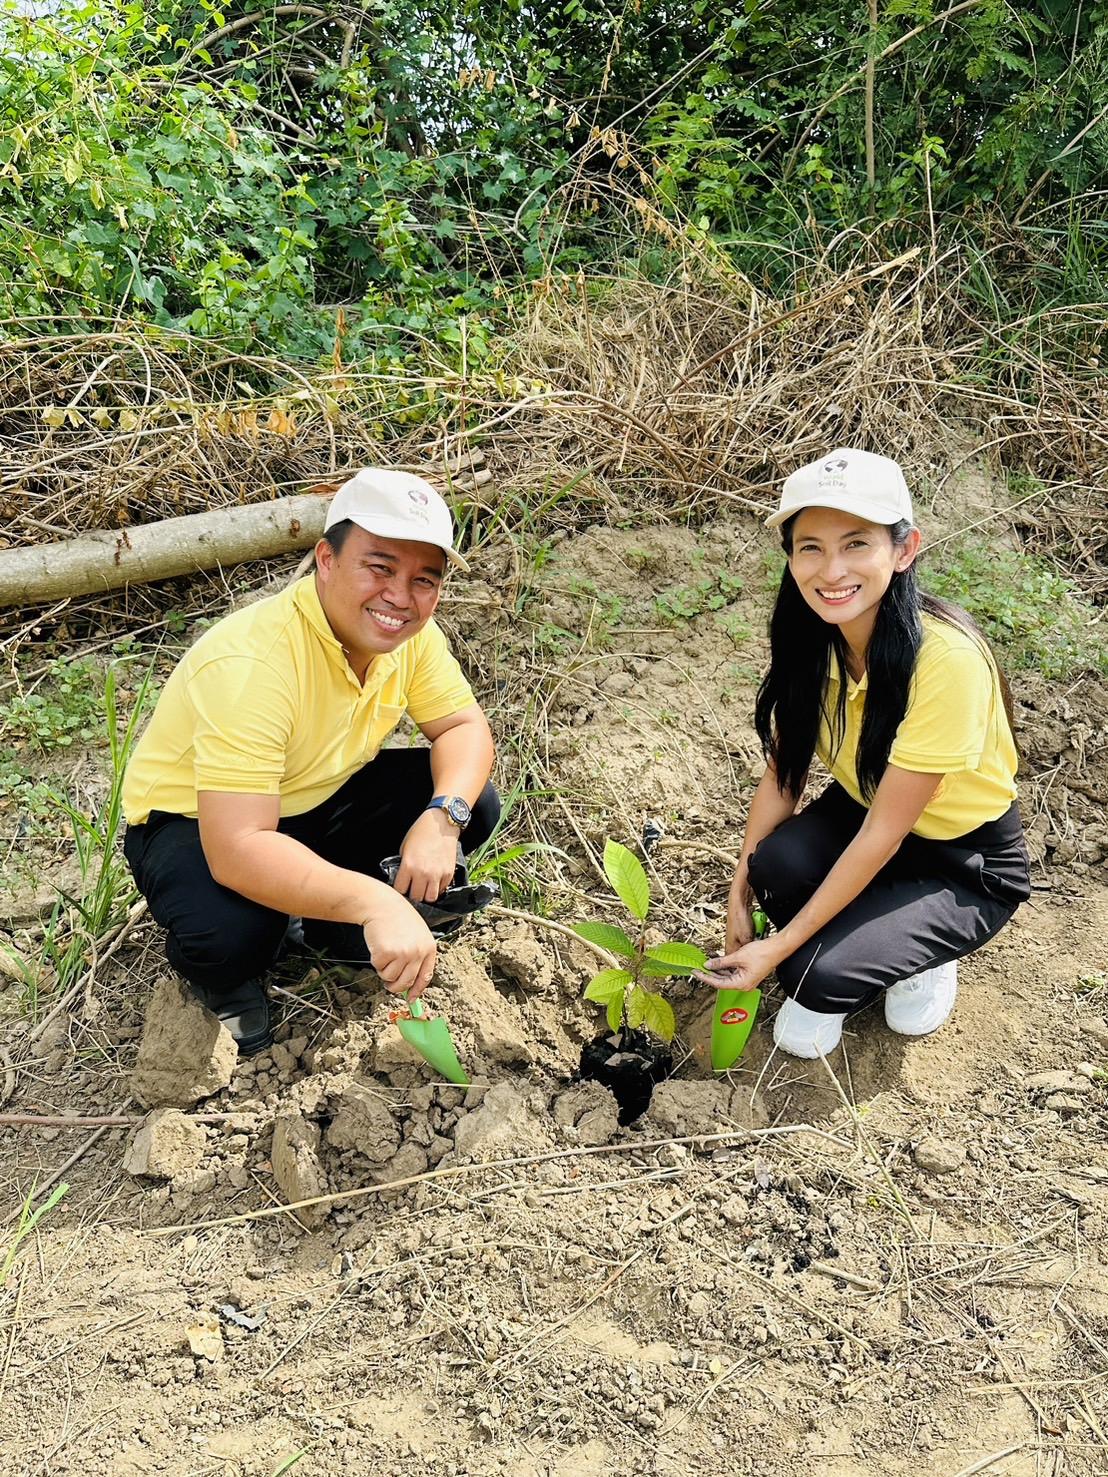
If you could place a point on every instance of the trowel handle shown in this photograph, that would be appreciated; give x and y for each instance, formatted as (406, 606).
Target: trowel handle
(760, 921)
(411, 1010)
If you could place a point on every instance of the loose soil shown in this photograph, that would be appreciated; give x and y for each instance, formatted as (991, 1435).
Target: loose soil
(898, 1269)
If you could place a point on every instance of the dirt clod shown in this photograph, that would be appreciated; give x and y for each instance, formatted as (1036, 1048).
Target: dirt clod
(497, 1126)
(499, 1030)
(591, 1110)
(296, 1166)
(364, 1122)
(937, 1155)
(186, 1052)
(691, 1107)
(393, 1054)
(1058, 1081)
(166, 1145)
(520, 956)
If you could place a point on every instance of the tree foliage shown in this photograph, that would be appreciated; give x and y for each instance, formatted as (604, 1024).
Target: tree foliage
(247, 173)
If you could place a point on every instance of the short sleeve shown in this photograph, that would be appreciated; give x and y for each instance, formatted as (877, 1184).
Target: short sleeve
(243, 723)
(436, 687)
(950, 702)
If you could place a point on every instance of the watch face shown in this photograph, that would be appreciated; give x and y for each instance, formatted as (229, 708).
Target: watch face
(458, 811)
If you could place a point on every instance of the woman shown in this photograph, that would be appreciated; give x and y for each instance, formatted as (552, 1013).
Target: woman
(914, 855)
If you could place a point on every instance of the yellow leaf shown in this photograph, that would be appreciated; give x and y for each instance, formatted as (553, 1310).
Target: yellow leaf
(128, 420)
(636, 1008)
(54, 415)
(96, 193)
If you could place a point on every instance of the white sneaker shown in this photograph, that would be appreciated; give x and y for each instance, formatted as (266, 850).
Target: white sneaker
(806, 1033)
(921, 1004)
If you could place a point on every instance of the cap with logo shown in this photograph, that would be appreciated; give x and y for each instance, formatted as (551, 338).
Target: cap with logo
(859, 482)
(396, 505)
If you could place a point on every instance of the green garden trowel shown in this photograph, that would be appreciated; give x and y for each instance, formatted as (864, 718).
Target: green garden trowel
(430, 1036)
(734, 1014)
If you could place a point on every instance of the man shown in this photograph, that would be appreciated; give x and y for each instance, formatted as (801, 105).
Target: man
(259, 792)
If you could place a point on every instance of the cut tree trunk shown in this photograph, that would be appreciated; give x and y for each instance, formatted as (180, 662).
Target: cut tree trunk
(108, 559)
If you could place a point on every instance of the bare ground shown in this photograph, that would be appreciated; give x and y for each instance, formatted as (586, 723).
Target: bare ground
(895, 1270)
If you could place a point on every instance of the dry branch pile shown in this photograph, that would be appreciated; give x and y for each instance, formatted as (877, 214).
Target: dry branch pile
(630, 399)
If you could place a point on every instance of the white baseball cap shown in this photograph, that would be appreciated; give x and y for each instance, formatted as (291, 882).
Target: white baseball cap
(851, 481)
(395, 505)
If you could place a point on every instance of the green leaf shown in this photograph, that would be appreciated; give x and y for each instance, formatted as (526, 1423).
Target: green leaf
(636, 1007)
(615, 1012)
(658, 1015)
(625, 872)
(675, 958)
(607, 937)
(652, 970)
(607, 985)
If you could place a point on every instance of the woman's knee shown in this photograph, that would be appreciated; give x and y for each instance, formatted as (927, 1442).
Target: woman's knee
(819, 981)
(781, 866)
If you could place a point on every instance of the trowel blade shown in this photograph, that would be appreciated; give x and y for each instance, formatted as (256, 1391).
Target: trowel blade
(733, 1017)
(431, 1038)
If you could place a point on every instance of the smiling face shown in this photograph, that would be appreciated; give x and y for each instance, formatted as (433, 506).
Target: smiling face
(843, 564)
(377, 592)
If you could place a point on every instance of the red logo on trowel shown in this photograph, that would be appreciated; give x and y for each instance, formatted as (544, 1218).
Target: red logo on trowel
(734, 1017)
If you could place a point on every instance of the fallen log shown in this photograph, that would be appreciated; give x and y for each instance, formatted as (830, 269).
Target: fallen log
(110, 558)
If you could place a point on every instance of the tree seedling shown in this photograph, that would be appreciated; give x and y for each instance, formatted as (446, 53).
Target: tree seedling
(628, 1001)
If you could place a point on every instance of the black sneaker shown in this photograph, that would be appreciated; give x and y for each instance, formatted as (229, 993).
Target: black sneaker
(244, 1011)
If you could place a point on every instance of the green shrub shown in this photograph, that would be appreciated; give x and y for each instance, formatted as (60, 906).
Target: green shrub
(65, 708)
(1036, 617)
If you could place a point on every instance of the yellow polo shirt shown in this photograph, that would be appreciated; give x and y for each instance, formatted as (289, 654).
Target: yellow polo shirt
(955, 725)
(265, 703)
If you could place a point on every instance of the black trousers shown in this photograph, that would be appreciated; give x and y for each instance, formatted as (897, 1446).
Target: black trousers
(933, 902)
(216, 938)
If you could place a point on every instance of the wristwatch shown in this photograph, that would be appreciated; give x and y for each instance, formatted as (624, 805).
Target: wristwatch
(455, 807)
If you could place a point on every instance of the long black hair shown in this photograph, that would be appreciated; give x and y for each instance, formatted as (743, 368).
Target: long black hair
(792, 700)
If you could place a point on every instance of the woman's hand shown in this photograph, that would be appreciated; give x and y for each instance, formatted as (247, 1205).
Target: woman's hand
(740, 903)
(744, 968)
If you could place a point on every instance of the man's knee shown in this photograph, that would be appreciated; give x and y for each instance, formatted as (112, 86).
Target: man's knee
(227, 950)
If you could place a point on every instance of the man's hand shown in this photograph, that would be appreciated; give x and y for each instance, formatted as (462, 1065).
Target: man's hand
(428, 856)
(401, 946)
